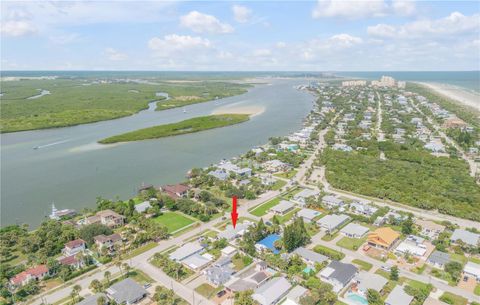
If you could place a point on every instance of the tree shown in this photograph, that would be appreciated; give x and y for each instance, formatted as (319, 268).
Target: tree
(295, 235)
(75, 291)
(96, 286)
(244, 298)
(454, 269)
(407, 225)
(374, 297)
(101, 300)
(107, 275)
(88, 232)
(394, 273)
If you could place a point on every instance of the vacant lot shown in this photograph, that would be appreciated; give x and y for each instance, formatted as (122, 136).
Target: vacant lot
(173, 221)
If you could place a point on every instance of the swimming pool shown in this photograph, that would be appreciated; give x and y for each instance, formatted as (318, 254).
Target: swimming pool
(307, 270)
(269, 242)
(357, 298)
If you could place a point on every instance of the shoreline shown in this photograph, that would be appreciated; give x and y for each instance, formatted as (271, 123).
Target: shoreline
(455, 93)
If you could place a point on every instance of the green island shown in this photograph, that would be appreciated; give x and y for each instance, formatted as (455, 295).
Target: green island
(183, 127)
(87, 100)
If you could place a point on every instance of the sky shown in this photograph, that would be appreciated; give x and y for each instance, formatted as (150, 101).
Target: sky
(325, 35)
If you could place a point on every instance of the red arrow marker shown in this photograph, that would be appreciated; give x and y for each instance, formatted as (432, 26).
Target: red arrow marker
(234, 213)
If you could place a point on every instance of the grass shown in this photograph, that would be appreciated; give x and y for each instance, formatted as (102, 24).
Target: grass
(208, 290)
(351, 243)
(453, 299)
(140, 277)
(183, 127)
(240, 262)
(278, 185)
(477, 289)
(441, 274)
(331, 253)
(362, 264)
(287, 175)
(283, 219)
(417, 284)
(173, 221)
(140, 250)
(329, 237)
(263, 208)
(80, 100)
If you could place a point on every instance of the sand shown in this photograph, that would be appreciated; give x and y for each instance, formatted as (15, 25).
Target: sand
(251, 110)
(468, 98)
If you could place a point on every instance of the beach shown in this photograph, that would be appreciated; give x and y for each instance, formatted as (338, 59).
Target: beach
(232, 109)
(468, 98)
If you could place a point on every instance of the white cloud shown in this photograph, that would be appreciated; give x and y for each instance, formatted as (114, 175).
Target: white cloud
(203, 23)
(262, 53)
(17, 28)
(115, 55)
(242, 14)
(349, 9)
(175, 45)
(345, 40)
(281, 44)
(454, 24)
(404, 7)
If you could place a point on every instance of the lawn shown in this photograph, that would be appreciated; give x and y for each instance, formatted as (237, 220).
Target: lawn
(173, 221)
(329, 237)
(140, 277)
(283, 219)
(241, 261)
(331, 253)
(140, 250)
(287, 175)
(453, 299)
(207, 290)
(441, 274)
(362, 264)
(477, 289)
(278, 185)
(263, 209)
(351, 243)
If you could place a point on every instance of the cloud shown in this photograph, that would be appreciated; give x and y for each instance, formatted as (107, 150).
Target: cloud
(349, 9)
(404, 7)
(17, 28)
(262, 53)
(203, 23)
(115, 55)
(176, 45)
(345, 40)
(454, 24)
(241, 14)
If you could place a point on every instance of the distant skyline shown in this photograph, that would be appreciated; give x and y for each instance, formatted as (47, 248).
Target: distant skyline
(326, 35)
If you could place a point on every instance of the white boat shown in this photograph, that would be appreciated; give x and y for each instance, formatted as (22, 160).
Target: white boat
(184, 110)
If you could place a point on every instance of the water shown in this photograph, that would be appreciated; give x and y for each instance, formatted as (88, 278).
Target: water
(357, 299)
(70, 169)
(269, 242)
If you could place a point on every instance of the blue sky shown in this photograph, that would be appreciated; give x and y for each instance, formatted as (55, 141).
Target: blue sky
(326, 35)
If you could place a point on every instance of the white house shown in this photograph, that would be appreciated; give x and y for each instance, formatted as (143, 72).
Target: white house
(472, 269)
(354, 230)
(308, 215)
(272, 291)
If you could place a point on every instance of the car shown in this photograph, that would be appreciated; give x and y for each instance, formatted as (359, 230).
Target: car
(221, 293)
(465, 278)
(386, 268)
(147, 285)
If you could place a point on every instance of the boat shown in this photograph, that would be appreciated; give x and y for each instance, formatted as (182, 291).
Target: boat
(36, 147)
(184, 110)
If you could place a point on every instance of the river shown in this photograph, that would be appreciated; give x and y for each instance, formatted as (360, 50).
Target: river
(70, 169)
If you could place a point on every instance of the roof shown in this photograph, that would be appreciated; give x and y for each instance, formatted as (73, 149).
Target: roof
(219, 274)
(271, 291)
(354, 229)
(430, 225)
(332, 199)
(339, 271)
(36, 271)
(175, 188)
(472, 268)
(92, 300)
(142, 207)
(228, 250)
(110, 238)
(398, 296)
(283, 206)
(296, 293)
(69, 260)
(466, 236)
(196, 261)
(305, 193)
(310, 255)
(126, 291)
(411, 247)
(75, 243)
(368, 280)
(185, 251)
(333, 220)
(308, 213)
(383, 236)
(231, 232)
(259, 277)
(438, 257)
(109, 213)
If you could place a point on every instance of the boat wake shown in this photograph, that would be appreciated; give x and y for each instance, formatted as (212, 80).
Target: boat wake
(50, 144)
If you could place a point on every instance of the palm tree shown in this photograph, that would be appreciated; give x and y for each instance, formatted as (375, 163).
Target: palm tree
(101, 300)
(75, 291)
(126, 267)
(119, 265)
(96, 286)
(107, 275)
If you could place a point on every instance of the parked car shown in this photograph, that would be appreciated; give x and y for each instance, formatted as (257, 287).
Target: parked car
(221, 293)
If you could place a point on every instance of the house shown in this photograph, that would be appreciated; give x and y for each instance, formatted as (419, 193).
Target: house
(231, 233)
(362, 208)
(142, 207)
(354, 230)
(32, 274)
(272, 291)
(413, 245)
(196, 261)
(126, 292)
(250, 279)
(429, 228)
(398, 296)
(332, 201)
(302, 196)
(365, 280)
(338, 274)
(185, 251)
(106, 217)
(92, 299)
(71, 261)
(108, 242)
(219, 174)
(438, 259)
(218, 275)
(310, 257)
(74, 246)
(383, 238)
(274, 166)
(308, 215)
(283, 207)
(175, 191)
(472, 269)
(228, 251)
(294, 295)
(469, 238)
(229, 167)
(332, 222)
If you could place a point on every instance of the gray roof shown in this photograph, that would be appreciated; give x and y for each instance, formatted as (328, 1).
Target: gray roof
(296, 293)
(308, 213)
(342, 272)
(196, 261)
(185, 251)
(127, 291)
(218, 275)
(283, 206)
(466, 236)
(142, 207)
(305, 193)
(231, 232)
(92, 300)
(332, 221)
(398, 296)
(219, 174)
(438, 257)
(332, 199)
(310, 255)
(370, 281)
(271, 291)
(354, 229)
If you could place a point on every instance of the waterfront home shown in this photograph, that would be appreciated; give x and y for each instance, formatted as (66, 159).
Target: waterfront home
(332, 201)
(365, 280)
(185, 251)
(438, 259)
(274, 166)
(108, 218)
(218, 275)
(469, 238)
(398, 296)
(219, 174)
(301, 197)
(308, 215)
(229, 167)
(412, 245)
(472, 269)
(60, 214)
(283, 207)
(383, 238)
(332, 222)
(310, 257)
(108, 242)
(74, 246)
(354, 230)
(429, 228)
(126, 292)
(175, 191)
(272, 291)
(32, 274)
(338, 274)
(142, 207)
